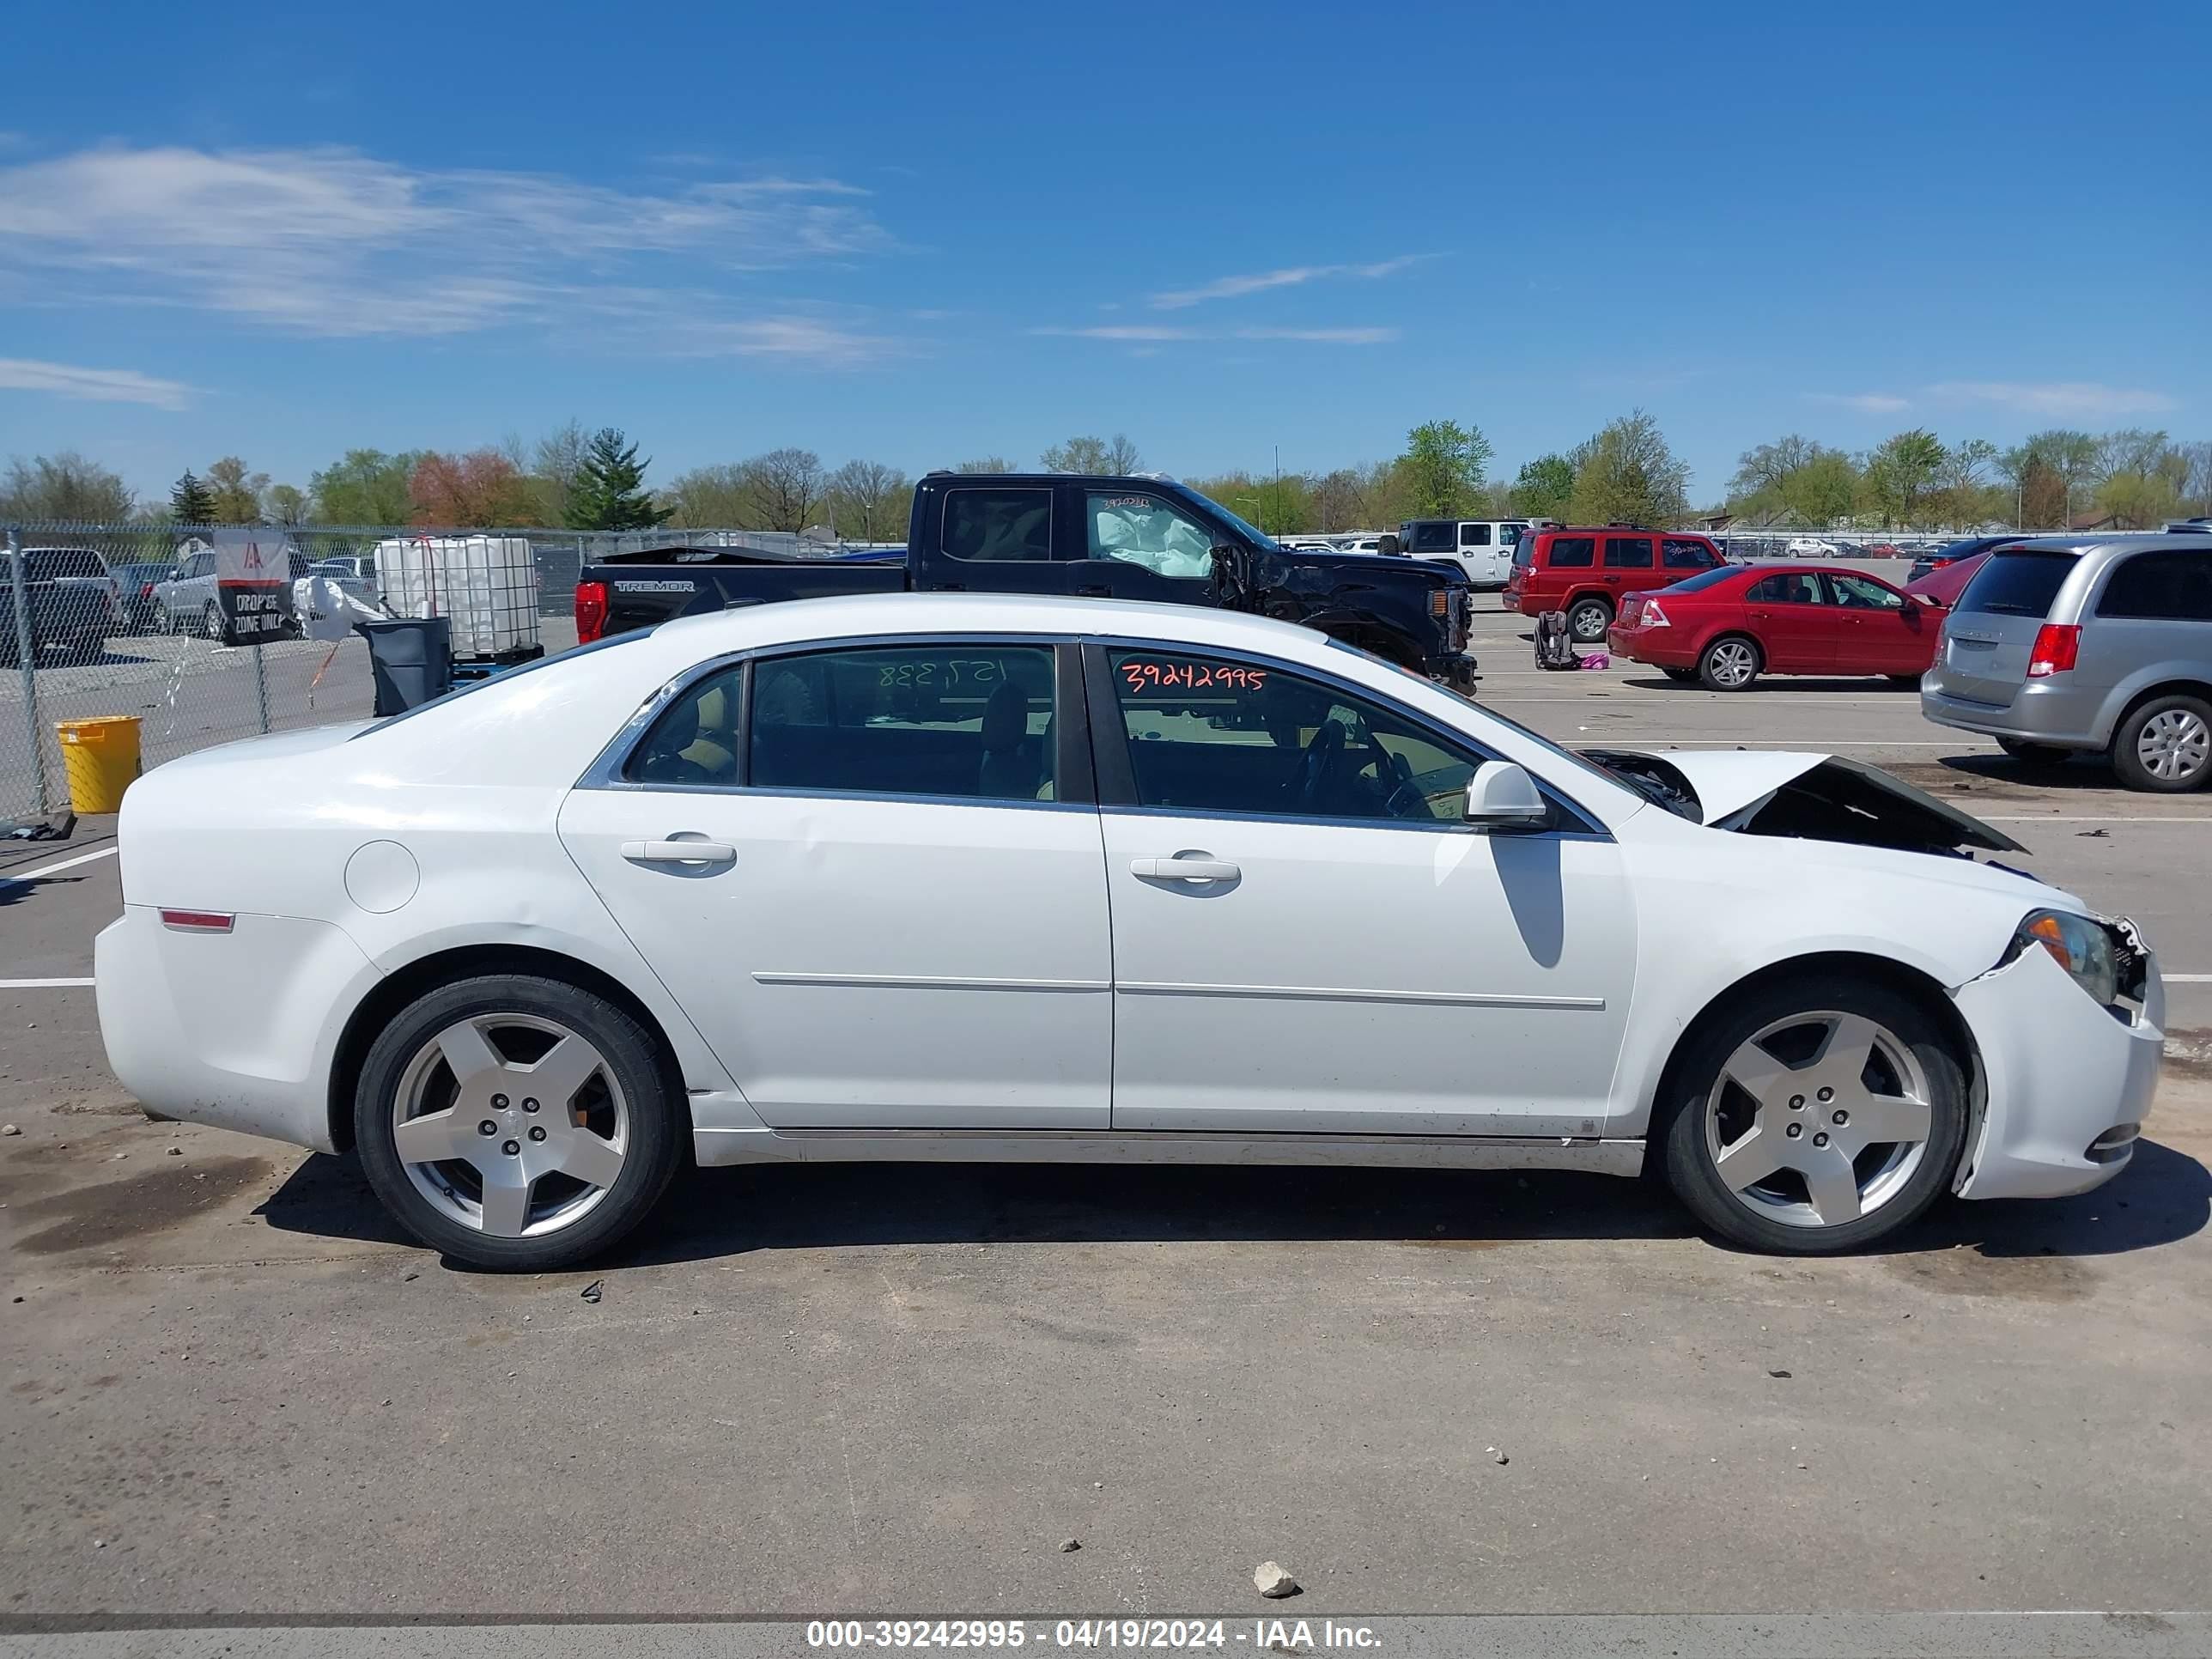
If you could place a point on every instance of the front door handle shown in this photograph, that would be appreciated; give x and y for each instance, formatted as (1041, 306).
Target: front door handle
(1094, 593)
(1180, 868)
(679, 852)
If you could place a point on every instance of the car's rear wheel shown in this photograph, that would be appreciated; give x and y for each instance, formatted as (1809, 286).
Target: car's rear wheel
(1588, 619)
(1816, 1117)
(2033, 754)
(517, 1122)
(1729, 664)
(2165, 745)
(211, 621)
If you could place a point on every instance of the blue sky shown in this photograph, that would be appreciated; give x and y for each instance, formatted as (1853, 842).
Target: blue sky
(922, 233)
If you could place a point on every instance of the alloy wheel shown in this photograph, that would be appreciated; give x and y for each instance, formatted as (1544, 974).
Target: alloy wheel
(1819, 1119)
(2173, 744)
(1588, 622)
(510, 1124)
(1731, 662)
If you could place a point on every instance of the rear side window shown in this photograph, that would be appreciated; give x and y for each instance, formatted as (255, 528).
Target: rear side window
(1686, 553)
(2021, 583)
(2161, 586)
(1628, 552)
(1573, 552)
(998, 526)
(1509, 534)
(1474, 535)
(1785, 587)
(50, 561)
(967, 721)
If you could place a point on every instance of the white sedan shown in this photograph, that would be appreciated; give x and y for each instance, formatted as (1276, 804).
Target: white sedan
(973, 878)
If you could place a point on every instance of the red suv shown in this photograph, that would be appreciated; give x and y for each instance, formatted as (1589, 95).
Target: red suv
(1586, 571)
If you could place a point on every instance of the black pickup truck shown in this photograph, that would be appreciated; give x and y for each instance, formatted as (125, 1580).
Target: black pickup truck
(1111, 537)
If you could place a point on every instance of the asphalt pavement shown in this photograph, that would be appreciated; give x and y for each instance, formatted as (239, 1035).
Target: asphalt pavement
(230, 1386)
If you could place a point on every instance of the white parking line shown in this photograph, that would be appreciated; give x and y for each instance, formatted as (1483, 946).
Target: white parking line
(2090, 817)
(2187, 979)
(59, 864)
(39, 984)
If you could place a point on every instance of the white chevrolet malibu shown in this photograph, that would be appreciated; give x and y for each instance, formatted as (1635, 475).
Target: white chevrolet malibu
(993, 878)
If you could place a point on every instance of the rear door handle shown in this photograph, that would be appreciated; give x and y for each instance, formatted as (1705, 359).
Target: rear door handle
(1184, 869)
(679, 852)
(1094, 593)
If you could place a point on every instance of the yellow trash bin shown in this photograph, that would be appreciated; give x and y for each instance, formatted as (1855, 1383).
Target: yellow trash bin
(102, 757)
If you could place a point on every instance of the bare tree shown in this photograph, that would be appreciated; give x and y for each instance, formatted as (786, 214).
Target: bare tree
(711, 497)
(2196, 482)
(785, 489)
(986, 464)
(868, 498)
(1092, 455)
(64, 486)
(1336, 498)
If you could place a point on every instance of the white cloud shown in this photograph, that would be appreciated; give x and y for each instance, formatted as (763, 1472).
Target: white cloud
(1867, 403)
(2078, 398)
(1322, 335)
(336, 244)
(1229, 288)
(1124, 331)
(1154, 332)
(791, 338)
(105, 386)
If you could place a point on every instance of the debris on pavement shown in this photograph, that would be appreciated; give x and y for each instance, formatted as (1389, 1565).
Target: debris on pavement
(1781, 1374)
(176, 1152)
(1494, 1454)
(1069, 1546)
(9, 1129)
(595, 1290)
(1272, 1582)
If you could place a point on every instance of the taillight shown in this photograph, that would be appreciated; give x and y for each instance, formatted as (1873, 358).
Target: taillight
(145, 590)
(1652, 616)
(590, 611)
(198, 921)
(2057, 647)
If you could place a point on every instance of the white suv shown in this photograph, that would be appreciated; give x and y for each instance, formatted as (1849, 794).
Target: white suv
(1483, 547)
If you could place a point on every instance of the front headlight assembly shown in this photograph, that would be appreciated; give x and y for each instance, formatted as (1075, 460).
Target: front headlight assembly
(2079, 944)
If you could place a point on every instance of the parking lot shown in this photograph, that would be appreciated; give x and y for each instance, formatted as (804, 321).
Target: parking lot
(229, 1384)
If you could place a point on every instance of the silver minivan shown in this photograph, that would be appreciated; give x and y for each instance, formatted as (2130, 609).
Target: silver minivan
(2064, 645)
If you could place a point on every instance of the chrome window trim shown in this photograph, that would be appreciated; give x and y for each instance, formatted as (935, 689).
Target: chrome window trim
(1591, 828)
(605, 772)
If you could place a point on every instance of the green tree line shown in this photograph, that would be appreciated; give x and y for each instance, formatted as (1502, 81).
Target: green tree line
(573, 478)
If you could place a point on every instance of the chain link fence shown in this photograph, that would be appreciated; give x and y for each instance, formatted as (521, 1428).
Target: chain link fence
(124, 619)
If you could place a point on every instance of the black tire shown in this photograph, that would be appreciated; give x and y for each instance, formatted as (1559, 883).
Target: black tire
(1681, 676)
(1715, 666)
(1588, 619)
(211, 626)
(657, 1131)
(2127, 755)
(2034, 754)
(1679, 1122)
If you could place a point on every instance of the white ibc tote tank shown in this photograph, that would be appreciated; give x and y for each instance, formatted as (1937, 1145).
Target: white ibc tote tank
(486, 586)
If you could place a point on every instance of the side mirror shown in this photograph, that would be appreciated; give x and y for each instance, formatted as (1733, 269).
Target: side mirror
(1502, 796)
(1389, 543)
(1232, 572)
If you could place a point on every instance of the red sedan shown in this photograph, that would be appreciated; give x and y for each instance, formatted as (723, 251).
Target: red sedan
(1728, 626)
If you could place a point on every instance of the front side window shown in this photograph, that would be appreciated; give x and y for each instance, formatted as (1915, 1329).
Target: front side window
(1144, 530)
(1628, 552)
(1474, 535)
(1857, 593)
(998, 526)
(1684, 553)
(1786, 587)
(1433, 537)
(1215, 734)
(968, 721)
(2161, 587)
(1573, 552)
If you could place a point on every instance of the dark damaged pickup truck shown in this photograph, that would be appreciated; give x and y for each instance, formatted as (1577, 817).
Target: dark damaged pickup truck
(1113, 537)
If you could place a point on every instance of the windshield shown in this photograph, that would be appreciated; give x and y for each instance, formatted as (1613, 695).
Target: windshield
(2018, 582)
(1252, 533)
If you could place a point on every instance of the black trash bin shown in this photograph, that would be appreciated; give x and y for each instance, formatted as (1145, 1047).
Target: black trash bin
(412, 658)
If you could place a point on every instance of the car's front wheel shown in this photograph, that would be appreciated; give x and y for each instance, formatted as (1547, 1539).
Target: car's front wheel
(517, 1122)
(2165, 745)
(1814, 1117)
